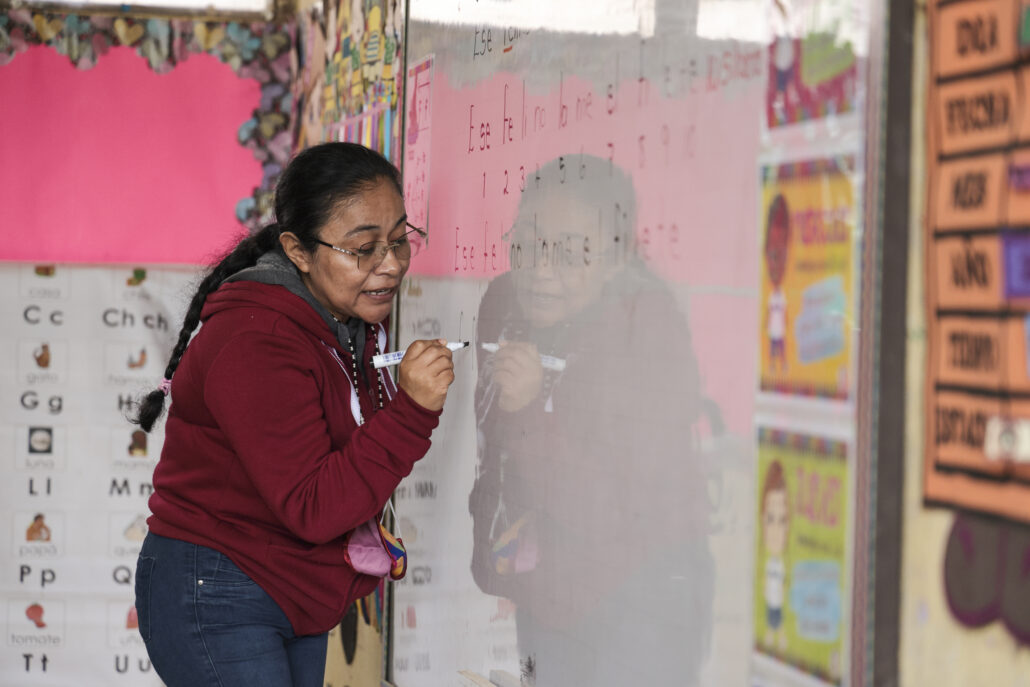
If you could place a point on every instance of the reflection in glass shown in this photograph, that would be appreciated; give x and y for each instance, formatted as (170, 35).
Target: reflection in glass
(590, 509)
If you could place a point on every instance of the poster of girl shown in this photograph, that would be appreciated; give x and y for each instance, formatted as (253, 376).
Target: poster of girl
(775, 506)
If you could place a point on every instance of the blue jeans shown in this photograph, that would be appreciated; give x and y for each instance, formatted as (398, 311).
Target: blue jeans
(205, 623)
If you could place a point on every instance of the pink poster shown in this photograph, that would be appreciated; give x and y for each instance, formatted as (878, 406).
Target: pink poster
(417, 133)
(142, 141)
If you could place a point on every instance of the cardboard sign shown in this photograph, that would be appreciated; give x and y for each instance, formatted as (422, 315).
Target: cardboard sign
(974, 36)
(969, 272)
(976, 114)
(968, 192)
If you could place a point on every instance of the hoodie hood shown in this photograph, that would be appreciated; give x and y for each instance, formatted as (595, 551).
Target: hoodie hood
(275, 269)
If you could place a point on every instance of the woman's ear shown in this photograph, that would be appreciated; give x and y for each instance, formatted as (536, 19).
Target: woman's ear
(296, 251)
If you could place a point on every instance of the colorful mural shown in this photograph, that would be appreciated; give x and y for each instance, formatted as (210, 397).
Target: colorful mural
(986, 566)
(351, 74)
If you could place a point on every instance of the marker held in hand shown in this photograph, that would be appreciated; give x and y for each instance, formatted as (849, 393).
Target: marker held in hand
(384, 359)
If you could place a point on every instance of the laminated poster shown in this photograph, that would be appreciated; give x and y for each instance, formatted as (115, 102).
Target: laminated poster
(813, 68)
(806, 307)
(800, 552)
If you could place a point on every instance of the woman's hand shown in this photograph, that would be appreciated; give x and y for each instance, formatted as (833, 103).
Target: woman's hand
(426, 372)
(517, 374)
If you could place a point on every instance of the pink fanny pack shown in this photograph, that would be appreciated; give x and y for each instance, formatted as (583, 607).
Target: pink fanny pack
(373, 550)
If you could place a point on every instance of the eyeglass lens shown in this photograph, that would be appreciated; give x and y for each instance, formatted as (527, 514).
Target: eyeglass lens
(371, 255)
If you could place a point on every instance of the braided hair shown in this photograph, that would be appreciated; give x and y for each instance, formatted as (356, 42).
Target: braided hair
(311, 187)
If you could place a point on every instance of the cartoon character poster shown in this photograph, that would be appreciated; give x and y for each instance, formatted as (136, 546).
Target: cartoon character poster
(806, 309)
(800, 552)
(813, 71)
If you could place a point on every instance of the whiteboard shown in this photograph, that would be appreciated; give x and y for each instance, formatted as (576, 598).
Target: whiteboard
(596, 194)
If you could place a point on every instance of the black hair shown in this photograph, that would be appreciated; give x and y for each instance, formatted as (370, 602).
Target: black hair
(314, 184)
(593, 181)
(778, 216)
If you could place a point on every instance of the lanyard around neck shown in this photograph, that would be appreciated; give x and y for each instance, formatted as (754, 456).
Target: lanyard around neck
(386, 380)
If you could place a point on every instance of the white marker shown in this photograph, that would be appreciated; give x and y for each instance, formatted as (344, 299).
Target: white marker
(548, 362)
(384, 359)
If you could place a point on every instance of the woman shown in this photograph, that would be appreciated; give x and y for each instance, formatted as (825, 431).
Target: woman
(282, 438)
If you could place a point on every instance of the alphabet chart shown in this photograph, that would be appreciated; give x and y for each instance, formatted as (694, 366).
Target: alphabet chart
(82, 343)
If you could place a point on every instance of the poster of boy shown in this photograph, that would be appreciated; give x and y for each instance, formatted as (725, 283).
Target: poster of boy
(806, 308)
(800, 554)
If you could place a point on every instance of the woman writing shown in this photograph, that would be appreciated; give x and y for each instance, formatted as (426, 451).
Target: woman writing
(282, 437)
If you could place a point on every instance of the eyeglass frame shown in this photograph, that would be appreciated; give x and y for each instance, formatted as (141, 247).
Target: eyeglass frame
(390, 245)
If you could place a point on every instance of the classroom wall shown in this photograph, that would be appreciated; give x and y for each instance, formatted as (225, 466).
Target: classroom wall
(133, 148)
(935, 648)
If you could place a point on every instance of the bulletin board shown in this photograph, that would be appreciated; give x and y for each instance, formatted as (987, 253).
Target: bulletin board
(978, 251)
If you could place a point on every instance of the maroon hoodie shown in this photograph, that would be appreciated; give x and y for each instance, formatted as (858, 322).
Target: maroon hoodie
(262, 458)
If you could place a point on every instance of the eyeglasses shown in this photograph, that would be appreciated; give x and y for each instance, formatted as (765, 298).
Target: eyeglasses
(370, 255)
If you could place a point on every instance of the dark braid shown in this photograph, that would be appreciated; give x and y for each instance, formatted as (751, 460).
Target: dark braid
(245, 254)
(314, 184)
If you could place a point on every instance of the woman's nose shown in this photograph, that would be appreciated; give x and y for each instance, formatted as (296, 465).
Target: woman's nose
(390, 264)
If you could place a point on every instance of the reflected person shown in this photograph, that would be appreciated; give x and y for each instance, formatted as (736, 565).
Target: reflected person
(590, 509)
